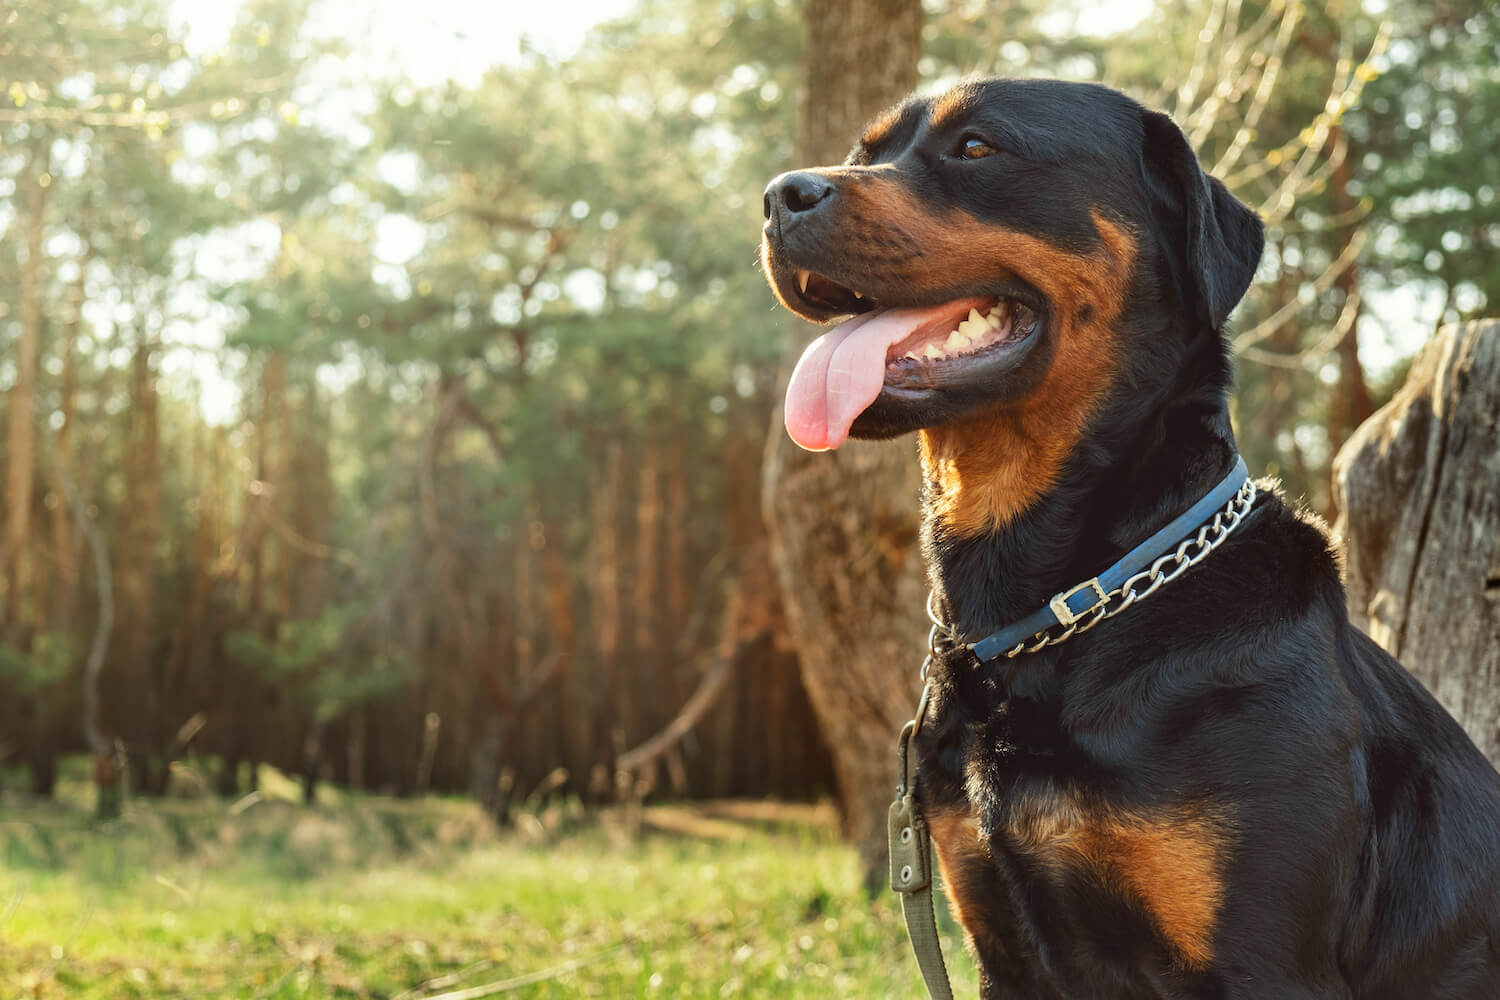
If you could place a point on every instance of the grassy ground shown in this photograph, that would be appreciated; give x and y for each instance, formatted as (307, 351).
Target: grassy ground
(379, 898)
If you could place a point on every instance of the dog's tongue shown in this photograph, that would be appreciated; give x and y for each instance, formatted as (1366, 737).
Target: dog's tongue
(842, 371)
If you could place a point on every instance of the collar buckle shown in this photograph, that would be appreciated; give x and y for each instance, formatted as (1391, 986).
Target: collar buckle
(1134, 577)
(1064, 611)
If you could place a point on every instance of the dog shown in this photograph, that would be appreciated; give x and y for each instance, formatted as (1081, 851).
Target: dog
(1223, 790)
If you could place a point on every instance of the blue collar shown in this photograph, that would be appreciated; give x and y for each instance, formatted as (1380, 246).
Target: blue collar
(1075, 603)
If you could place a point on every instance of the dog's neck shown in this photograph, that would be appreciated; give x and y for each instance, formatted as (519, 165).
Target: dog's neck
(1138, 465)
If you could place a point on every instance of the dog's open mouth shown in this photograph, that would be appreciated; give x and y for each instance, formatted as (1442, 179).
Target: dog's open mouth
(896, 347)
(828, 296)
(992, 322)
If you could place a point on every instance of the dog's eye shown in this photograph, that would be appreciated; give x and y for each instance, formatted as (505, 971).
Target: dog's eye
(975, 149)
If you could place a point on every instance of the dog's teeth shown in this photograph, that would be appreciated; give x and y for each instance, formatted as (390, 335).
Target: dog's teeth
(973, 326)
(932, 352)
(957, 341)
(993, 320)
(912, 355)
(802, 277)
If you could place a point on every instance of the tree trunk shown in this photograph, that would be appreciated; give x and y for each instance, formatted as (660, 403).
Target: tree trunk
(42, 754)
(354, 748)
(229, 775)
(148, 734)
(844, 525)
(21, 439)
(190, 630)
(679, 573)
(645, 585)
(312, 762)
(604, 618)
(568, 738)
(1421, 525)
(64, 599)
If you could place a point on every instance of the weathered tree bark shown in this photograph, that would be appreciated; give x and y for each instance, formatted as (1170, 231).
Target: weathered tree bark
(1419, 488)
(844, 525)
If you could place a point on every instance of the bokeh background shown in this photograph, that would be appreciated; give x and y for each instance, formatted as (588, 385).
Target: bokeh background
(387, 386)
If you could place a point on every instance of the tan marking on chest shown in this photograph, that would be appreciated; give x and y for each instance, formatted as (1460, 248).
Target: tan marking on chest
(955, 836)
(1170, 862)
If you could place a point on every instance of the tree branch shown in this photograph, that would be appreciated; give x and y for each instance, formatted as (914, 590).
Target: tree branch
(687, 717)
(1268, 326)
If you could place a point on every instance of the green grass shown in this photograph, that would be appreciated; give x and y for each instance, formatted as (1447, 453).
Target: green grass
(378, 898)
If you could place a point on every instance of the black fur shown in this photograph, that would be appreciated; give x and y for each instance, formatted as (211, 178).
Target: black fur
(1363, 856)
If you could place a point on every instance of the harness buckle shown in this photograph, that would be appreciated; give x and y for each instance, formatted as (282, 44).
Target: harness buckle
(1065, 613)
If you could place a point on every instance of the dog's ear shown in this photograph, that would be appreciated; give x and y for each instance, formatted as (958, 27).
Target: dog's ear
(1223, 236)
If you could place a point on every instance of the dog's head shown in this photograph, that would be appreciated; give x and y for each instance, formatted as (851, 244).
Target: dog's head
(994, 246)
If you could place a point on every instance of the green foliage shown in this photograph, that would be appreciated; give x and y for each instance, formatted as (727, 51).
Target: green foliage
(1430, 160)
(51, 658)
(299, 645)
(320, 661)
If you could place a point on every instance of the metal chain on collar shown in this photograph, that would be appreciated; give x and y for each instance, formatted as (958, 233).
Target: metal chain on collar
(1142, 585)
(938, 634)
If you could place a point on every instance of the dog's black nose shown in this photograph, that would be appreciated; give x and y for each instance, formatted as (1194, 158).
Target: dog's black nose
(798, 191)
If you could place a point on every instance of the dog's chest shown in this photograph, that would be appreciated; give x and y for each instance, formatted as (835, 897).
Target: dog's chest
(1080, 875)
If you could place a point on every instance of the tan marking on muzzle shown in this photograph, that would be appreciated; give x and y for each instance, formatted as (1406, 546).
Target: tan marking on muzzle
(986, 469)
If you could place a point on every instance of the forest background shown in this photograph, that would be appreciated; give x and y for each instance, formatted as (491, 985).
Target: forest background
(402, 425)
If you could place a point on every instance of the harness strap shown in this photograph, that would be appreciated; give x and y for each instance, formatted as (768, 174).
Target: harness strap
(911, 864)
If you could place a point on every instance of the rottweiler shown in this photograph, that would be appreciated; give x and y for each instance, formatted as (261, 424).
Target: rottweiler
(1224, 789)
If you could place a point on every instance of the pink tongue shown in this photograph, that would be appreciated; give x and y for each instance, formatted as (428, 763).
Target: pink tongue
(842, 371)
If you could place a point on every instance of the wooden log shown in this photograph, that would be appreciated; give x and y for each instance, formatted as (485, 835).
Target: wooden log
(1419, 490)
